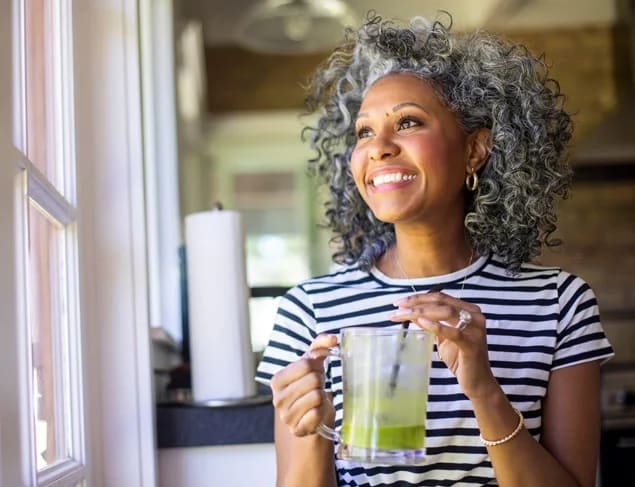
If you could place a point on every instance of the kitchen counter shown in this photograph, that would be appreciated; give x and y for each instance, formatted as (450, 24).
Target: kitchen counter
(185, 424)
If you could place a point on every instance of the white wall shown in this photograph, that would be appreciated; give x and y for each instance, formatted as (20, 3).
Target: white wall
(218, 466)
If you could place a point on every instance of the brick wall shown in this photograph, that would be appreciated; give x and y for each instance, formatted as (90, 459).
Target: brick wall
(597, 224)
(592, 65)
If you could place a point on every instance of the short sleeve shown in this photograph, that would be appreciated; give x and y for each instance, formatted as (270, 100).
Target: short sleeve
(292, 334)
(580, 336)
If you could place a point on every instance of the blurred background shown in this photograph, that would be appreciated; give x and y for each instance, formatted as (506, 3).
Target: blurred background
(236, 72)
(239, 70)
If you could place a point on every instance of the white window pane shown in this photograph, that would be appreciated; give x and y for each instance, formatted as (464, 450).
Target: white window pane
(45, 319)
(276, 259)
(262, 313)
(39, 88)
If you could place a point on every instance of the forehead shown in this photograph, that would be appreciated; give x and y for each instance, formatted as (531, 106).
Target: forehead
(400, 87)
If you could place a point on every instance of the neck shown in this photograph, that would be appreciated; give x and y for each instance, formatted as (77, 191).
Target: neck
(426, 256)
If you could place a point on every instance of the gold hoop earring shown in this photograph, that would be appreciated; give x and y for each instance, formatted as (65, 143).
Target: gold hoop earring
(471, 181)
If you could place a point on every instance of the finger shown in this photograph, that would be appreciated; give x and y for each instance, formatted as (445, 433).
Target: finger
(322, 343)
(295, 370)
(435, 298)
(293, 402)
(446, 310)
(440, 312)
(309, 422)
(286, 396)
(441, 331)
(321, 347)
(452, 316)
(404, 314)
(446, 331)
(305, 413)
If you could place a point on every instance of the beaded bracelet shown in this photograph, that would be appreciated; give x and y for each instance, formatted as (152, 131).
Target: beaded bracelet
(521, 423)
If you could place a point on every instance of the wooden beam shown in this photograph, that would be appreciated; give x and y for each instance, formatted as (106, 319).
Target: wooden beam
(240, 80)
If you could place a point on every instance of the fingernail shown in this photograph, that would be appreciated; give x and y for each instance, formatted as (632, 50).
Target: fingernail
(400, 312)
(399, 302)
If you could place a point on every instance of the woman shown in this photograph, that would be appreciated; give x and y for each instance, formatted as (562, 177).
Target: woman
(444, 156)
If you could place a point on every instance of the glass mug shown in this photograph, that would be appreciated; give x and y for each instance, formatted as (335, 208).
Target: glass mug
(386, 373)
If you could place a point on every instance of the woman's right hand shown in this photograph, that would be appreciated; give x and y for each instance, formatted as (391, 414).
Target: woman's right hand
(298, 390)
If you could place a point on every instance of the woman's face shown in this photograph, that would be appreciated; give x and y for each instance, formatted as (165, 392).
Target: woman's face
(411, 155)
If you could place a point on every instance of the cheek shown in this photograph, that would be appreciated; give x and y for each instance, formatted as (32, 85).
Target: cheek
(439, 154)
(434, 150)
(357, 168)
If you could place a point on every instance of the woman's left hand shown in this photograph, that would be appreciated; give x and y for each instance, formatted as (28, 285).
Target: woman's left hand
(462, 348)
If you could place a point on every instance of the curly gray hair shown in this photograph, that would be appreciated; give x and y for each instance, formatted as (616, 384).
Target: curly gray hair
(487, 82)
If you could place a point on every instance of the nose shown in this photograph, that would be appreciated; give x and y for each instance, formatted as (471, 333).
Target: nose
(382, 148)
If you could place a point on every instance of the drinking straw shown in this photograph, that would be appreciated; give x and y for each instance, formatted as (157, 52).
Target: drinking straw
(402, 344)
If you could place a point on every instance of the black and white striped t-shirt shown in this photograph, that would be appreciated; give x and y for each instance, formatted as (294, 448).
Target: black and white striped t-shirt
(538, 320)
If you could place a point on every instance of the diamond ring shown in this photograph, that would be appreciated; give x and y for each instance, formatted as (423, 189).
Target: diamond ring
(465, 317)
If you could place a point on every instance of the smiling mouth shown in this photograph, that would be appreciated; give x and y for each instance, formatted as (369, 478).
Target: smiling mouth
(391, 178)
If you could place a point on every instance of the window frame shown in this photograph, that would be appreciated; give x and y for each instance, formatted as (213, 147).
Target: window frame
(113, 254)
(111, 250)
(57, 203)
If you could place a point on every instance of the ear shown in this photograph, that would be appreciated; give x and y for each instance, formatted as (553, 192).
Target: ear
(479, 145)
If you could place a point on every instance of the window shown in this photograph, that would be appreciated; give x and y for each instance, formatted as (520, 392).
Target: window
(47, 240)
(256, 163)
(72, 204)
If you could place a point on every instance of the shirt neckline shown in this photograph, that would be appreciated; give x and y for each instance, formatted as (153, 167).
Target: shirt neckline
(423, 282)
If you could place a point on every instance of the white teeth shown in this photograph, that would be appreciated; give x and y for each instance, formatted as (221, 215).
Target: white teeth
(392, 178)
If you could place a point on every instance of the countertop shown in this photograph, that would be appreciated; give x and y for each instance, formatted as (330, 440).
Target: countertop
(186, 424)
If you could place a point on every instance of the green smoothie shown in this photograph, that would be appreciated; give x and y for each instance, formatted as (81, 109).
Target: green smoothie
(385, 423)
(389, 437)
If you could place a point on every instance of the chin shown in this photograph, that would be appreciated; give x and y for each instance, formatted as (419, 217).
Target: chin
(388, 216)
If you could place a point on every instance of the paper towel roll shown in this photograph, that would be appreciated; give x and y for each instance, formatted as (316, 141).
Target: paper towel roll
(222, 364)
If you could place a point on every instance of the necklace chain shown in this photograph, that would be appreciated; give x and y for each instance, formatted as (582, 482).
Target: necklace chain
(414, 290)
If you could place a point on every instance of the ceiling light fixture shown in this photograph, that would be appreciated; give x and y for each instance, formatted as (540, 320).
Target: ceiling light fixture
(294, 26)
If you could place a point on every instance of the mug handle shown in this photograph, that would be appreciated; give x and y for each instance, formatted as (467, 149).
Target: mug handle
(323, 430)
(327, 432)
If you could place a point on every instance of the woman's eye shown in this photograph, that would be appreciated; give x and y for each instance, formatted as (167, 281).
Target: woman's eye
(363, 132)
(408, 123)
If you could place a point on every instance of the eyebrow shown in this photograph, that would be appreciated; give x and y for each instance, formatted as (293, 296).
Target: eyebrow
(396, 108)
(408, 104)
